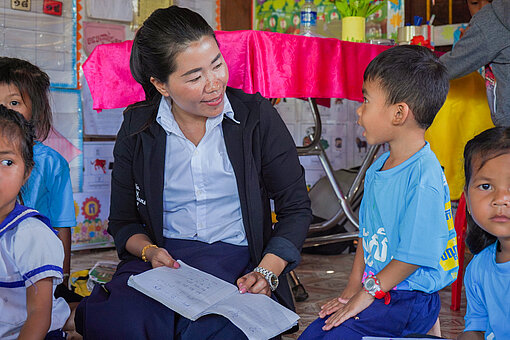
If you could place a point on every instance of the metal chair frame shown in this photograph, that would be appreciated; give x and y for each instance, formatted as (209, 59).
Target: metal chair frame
(347, 203)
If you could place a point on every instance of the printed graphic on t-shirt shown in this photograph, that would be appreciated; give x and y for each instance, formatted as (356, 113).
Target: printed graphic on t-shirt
(450, 258)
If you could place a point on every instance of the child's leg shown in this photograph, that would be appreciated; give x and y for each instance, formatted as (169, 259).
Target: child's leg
(408, 312)
(314, 332)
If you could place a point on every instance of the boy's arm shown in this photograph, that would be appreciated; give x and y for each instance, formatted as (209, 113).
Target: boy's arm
(353, 286)
(39, 303)
(358, 267)
(391, 275)
(471, 335)
(395, 272)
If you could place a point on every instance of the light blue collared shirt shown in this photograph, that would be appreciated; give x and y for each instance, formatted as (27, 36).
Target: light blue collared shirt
(200, 197)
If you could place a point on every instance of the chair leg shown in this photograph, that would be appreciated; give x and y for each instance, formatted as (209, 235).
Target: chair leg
(298, 290)
(460, 227)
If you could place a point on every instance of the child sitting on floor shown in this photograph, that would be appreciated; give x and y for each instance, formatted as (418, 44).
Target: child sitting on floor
(31, 255)
(487, 281)
(407, 244)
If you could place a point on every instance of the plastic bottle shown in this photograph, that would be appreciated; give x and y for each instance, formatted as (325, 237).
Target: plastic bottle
(308, 25)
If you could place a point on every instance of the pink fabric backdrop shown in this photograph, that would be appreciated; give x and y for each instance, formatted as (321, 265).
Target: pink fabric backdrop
(274, 64)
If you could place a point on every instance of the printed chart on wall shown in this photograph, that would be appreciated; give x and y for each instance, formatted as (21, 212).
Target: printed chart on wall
(44, 33)
(91, 210)
(67, 134)
(97, 165)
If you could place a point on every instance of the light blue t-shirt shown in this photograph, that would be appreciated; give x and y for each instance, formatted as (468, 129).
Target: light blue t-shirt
(49, 189)
(200, 196)
(487, 291)
(406, 215)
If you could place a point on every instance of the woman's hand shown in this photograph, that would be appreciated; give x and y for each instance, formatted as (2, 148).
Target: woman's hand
(353, 307)
(254, 283)
(160, 257)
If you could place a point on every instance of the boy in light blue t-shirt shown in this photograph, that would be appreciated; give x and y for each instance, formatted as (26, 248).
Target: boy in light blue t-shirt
(407, 249)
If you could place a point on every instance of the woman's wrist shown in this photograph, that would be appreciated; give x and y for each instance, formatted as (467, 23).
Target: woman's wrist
(145, 250)
(273, 263)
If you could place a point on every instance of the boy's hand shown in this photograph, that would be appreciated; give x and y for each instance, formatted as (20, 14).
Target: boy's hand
(334, 304)
(353, 307)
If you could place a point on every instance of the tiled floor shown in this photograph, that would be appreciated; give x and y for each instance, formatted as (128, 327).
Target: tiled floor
(322, 276)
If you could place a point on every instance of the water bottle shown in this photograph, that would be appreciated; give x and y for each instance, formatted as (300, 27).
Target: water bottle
(308, 25)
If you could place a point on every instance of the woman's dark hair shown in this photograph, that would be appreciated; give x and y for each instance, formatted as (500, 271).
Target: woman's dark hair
(31, 81)
(487, 145)
(165, 33)
(17, 130)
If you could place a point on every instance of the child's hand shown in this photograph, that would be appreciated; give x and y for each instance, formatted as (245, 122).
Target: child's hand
(332, 306)
(353, 307)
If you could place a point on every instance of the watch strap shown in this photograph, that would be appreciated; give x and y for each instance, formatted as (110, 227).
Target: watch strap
(377, 291)
(267, 275)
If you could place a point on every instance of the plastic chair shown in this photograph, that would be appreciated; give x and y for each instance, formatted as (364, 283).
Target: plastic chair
(460, 229)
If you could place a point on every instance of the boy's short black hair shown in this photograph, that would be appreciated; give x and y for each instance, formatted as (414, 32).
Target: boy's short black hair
(413, 75)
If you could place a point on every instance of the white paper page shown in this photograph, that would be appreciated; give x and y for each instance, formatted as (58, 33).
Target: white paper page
(258, 316)
(119, 10)
(187, 291)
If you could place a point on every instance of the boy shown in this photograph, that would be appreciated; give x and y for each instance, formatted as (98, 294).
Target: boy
(407, 246)
(486, 42)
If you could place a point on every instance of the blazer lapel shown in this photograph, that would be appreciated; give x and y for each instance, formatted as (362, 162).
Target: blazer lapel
(237, 150)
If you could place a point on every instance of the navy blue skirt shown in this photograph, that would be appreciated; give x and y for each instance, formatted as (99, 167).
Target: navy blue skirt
(117, 311)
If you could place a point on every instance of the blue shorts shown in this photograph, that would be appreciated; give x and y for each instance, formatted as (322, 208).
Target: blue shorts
(408, 312)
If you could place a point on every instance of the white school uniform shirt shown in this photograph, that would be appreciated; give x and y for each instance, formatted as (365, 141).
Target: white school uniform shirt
(29, 252)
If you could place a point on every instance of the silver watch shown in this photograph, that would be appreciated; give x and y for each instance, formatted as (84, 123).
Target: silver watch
(271, 278)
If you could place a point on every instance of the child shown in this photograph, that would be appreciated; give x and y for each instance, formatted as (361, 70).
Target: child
(407, 246)
(30, 252)
(487, 281)
(486, 42)
(24, 88)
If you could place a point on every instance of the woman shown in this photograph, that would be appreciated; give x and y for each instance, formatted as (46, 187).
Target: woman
(195, 167)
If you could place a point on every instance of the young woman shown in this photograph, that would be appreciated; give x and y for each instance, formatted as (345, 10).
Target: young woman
(195, 167)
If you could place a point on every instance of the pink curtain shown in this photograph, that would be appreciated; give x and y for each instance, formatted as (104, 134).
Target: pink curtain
(274, 64)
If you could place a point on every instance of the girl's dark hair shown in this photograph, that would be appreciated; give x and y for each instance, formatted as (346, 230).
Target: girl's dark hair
(31, 81)
(165, 33)
(16, 129)
(487, 145)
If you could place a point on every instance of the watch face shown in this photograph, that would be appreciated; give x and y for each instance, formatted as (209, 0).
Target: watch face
(369, 283)
(274, 281)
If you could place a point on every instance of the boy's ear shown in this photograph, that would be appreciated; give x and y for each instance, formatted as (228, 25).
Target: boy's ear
(401, 114)
(160, 86)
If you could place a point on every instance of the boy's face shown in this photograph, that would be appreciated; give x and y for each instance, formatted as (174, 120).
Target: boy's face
(475, 5)
(375, 116)
(488, 195)
(12, 176)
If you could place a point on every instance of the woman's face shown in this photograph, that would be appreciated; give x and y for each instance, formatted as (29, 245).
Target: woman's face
(198, 84)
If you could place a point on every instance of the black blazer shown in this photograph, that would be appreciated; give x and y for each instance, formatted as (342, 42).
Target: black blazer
(265, 162)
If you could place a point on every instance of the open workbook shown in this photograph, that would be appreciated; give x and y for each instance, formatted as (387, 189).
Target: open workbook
(193, 293)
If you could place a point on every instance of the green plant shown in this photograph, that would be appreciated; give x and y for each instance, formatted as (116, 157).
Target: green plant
(358, 8)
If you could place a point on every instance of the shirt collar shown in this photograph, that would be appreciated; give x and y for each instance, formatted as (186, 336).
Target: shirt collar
(166, 119)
